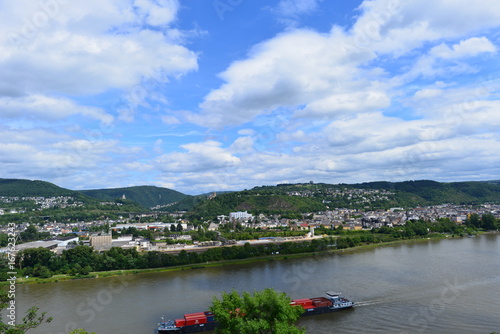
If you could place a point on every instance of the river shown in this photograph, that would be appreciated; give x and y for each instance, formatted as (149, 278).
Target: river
(434, 286)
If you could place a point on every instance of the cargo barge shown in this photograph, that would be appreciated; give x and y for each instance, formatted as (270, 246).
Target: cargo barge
(205, 321)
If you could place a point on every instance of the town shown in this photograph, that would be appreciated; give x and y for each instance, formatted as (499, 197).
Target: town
(173, 232)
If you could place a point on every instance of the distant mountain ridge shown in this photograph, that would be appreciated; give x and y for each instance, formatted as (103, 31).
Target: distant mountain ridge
(29, 188)
(281, 198)
(146, 196)
(314, 197)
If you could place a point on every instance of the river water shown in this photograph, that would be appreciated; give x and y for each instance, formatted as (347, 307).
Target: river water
(434, 286)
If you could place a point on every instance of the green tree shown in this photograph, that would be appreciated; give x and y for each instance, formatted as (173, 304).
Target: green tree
(42, 272)
(488, 221)
(264, 312)
(30, 234)
(80, 331)
(34, 256)
(4, 239)
(473, 220)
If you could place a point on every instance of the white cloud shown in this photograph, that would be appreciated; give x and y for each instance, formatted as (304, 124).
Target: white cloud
(443, 60)
(346, 103)
(50, 154)
(384, 99)
(199, 157)
(322, 74)
(279, 72)
(83, 48)
(47, 108)
(387, 26)
(466, 48)
(158, 14)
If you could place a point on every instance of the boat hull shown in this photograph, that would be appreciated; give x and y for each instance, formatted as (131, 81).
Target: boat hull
(190, 329)
(326, 309)
(207, 327)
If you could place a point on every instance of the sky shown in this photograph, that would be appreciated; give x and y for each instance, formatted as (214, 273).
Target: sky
(219, 95)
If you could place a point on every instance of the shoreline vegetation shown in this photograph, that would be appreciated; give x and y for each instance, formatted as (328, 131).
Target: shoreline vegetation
(222, 263)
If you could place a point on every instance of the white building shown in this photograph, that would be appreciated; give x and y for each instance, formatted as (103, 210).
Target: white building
(240, 215)
(63, 242)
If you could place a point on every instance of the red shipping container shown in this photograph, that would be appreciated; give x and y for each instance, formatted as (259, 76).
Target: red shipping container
(195, 318)
(197, 314)
(302, 301)
(180, 322)
(196, 321)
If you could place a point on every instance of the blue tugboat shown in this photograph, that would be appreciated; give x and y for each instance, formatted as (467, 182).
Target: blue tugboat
(205, 321)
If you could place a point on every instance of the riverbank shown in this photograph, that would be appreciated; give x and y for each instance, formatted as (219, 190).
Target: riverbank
(103, 274)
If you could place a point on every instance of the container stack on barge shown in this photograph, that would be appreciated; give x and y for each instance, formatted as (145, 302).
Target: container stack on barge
(205, 321)
(191, 323)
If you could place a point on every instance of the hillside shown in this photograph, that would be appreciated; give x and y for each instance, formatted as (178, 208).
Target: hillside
(433, 192)
(28, 188)
(302, 198)
(147, 196)
(280, 199)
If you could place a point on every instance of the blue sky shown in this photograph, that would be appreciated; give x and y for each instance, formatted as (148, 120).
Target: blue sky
(207, 95)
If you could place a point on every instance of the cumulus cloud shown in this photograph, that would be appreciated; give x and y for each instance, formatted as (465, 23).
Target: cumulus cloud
(402, 93)
(466, 48)
(53, 48)
(443, 60)
(279, 72)
(57, 60)
(47, 108)
(457, 137)
(48, 153)
(199, 157)
(321, 74)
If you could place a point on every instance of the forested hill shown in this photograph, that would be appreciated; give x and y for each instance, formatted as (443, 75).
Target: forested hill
(288, 199)
(28, 188)
(436, 192)
(311, 197)
(147, 196)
